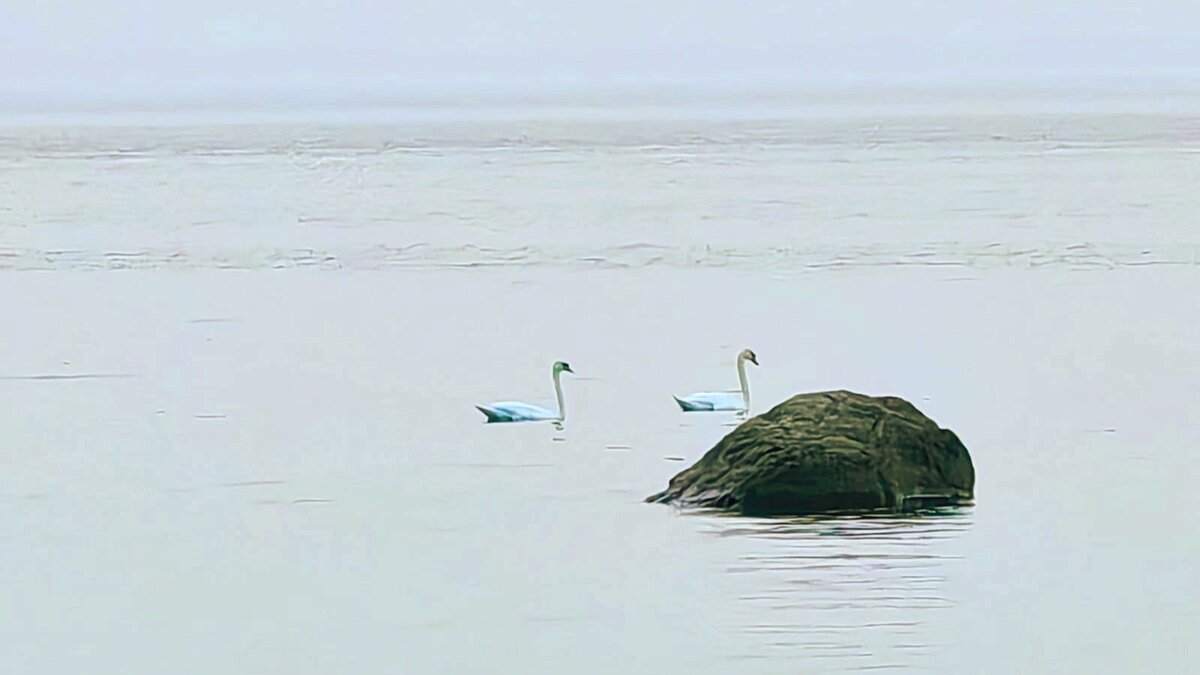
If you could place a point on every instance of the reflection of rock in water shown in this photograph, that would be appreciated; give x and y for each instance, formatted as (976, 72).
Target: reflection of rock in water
(863, 591)
(829, 451)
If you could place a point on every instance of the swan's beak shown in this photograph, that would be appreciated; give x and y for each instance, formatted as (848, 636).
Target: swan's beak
(568, 369)
(754, 360)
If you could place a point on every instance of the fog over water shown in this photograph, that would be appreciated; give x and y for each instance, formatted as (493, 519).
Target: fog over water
(67, 53)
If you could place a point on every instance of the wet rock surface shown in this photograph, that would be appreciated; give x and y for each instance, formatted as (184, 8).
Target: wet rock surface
(829, 451)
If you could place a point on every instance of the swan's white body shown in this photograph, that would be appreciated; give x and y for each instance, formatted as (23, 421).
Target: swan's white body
(723, 400)
(516, 411)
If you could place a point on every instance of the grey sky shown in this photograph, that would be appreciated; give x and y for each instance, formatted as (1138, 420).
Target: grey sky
(93, 47)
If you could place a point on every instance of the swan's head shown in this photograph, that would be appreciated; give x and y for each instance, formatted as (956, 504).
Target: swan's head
(562, 367)
(748, 355)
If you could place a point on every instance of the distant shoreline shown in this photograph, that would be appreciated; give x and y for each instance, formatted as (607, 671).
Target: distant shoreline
(640, 103)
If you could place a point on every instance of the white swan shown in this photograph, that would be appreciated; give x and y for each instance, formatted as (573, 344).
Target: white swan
(516, 411)
(723, 400)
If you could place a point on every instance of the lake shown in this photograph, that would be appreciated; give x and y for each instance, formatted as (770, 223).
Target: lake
(241, 357)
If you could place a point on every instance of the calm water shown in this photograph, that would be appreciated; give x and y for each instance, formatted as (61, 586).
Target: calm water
(239, 365)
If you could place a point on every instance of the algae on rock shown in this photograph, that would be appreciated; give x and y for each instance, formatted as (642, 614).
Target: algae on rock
(828, 451)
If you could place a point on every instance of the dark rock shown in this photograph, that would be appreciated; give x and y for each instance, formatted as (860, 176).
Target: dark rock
(829, 451)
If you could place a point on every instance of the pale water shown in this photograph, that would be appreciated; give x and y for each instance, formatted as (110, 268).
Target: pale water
(239, 364)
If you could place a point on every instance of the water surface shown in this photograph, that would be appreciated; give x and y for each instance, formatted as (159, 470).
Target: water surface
(236, 416)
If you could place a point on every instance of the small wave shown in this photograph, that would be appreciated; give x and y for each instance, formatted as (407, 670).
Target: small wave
(771, 258)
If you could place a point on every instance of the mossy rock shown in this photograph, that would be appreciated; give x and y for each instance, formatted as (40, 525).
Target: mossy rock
(829, 451)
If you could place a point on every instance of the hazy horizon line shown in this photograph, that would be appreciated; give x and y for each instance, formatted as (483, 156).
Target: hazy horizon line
(56, 97)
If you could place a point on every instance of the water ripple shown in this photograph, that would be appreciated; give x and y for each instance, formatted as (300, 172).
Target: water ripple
(850, 591)
(1078, 257)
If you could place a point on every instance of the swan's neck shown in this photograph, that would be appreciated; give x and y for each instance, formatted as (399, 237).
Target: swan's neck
(562, 405)
(741, 365)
